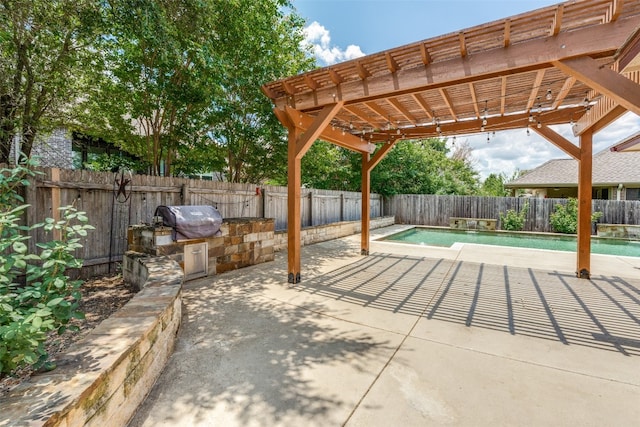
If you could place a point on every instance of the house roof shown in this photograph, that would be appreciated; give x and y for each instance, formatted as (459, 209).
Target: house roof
(630, 144)
(609, 168)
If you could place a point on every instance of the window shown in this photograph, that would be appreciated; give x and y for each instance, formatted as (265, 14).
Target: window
(633, 193)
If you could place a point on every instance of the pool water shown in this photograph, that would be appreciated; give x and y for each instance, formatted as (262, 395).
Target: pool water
(447, 237)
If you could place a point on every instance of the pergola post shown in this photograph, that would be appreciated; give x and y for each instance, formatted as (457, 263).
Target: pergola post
(583, 270)
(588, 71)
(293, 208)
(366, 203)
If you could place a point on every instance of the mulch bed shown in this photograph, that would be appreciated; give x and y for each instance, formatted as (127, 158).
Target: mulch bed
(100, 298)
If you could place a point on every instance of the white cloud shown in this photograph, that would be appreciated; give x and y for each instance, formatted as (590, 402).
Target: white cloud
(513, 150)
(319, 38)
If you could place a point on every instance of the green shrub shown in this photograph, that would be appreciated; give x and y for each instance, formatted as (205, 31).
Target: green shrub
(514, 221)
(564, 219)
(36, 296)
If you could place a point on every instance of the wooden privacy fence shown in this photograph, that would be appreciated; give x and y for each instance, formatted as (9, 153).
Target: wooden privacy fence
(425, 209)
(112, 207)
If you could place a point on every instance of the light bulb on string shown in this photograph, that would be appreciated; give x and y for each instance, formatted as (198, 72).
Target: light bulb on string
(528, 131)
(539, 125)
(531, 118)
(549, 95)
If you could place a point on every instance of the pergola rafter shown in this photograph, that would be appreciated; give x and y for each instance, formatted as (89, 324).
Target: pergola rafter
(549, 66)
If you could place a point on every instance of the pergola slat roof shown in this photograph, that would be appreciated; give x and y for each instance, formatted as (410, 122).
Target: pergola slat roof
(577, 62)
(391, 93)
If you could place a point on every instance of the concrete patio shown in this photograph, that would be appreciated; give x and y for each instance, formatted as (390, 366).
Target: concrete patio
(472, 335)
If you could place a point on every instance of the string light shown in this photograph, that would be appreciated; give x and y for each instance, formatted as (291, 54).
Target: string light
(530, 118)
(539, 125)
(454, 141)
(484, 116)
(528, 132)
(549, 95)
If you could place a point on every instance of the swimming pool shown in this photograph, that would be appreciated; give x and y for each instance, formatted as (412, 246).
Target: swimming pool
(447, 237)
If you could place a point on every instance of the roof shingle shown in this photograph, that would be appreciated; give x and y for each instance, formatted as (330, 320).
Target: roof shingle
(609, 168)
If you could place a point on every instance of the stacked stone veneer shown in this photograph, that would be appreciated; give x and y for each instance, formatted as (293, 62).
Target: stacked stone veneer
(619, 231)
(242, 242)
(103, 378)
(484, 224)
(322, 233)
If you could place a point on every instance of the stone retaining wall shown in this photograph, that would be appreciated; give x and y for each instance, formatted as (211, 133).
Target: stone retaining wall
(322, 233)
(101, 379)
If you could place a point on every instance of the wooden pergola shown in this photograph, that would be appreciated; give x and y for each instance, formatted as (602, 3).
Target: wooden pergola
(577, 62)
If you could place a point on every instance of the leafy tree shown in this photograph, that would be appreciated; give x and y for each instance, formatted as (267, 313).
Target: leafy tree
(493, 185)
(183, 87)
(161, 79)
(261, 44)
(422, 167)
(36, 295)
(43, 51)
(330, 167)
(411, 167)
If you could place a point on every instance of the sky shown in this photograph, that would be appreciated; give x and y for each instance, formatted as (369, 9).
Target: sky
(340, 30)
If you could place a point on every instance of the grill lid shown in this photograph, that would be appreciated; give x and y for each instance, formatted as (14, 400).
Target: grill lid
(191, 222)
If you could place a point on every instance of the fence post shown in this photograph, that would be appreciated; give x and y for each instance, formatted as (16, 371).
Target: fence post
(341, 207)
(310, 208)
(31, 199)
(184, 194)
(55, 199)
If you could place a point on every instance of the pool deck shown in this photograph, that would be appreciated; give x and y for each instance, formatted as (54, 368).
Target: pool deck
(409, 335)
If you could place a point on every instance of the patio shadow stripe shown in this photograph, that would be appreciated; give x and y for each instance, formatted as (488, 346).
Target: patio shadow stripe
(418, 286)
(476, 296)
(507, 288)
(444, 292)
(547, 308)
(590, 313)
(404, 273)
